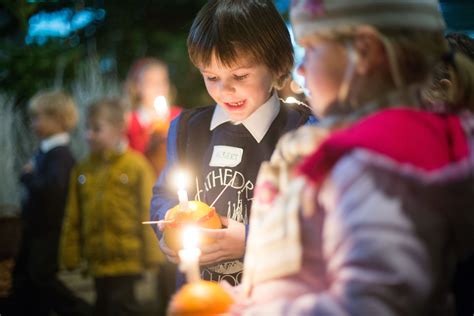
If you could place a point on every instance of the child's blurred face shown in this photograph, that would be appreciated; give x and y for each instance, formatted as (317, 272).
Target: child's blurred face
(102, 135)
(153, 82)
(323, 67)
(45, 125)
(240, 89)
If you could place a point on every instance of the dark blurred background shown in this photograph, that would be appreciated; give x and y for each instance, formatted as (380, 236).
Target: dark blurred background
(47, 43)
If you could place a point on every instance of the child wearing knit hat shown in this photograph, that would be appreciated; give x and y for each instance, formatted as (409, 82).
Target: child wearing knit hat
(365, 213)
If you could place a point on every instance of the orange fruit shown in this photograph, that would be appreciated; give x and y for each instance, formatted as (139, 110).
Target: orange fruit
(201, 298)
(198, 213)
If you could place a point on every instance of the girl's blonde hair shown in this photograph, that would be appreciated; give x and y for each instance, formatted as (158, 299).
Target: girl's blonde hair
(412, 56)
(56, 104)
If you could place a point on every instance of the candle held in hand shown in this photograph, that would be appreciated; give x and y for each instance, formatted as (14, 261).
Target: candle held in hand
(189, 255)
(197, 214)
(181, 181)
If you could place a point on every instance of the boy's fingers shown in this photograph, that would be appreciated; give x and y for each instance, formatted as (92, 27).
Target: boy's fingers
(210, 248)
(167, 251)
(161, 226)
(224, 220)
(213, 233)
(173, 259)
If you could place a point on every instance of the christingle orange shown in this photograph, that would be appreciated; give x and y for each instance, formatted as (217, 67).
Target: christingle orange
(201, 298)
(197, 213)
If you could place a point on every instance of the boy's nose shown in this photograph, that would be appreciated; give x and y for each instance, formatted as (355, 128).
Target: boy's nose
(227, 86)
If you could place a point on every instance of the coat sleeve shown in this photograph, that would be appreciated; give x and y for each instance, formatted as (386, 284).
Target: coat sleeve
(53, 180)
(70, 250)
(164, 197)
(375, 262)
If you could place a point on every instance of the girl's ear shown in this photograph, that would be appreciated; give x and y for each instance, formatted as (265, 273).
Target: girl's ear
(370, 52)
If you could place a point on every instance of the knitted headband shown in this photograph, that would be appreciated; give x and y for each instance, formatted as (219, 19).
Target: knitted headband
(310, 17)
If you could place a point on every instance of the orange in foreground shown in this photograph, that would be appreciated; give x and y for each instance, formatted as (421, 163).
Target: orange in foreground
(198, 213)
(203, 298)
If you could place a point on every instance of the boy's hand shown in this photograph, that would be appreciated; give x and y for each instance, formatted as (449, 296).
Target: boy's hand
(170, 254)
(229, 244)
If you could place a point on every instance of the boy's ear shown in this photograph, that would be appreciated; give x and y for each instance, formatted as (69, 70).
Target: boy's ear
(279, 81)
(370, 52)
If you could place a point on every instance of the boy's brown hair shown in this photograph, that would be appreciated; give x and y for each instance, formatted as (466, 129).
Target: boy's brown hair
(111, 109)
(227, 28)
(56, 104)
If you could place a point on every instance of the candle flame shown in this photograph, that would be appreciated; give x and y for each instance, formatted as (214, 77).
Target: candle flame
(161, 107)
(181, 180)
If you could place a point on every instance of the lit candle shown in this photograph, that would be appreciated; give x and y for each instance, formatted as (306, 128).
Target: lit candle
(189, 255)
(161, 108)
(181, 180)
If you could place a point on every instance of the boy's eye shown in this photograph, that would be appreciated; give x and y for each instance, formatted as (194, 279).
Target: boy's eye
(240, 77)
(211, 78)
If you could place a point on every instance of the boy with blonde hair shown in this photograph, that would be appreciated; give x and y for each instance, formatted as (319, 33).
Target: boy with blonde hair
(36, 289)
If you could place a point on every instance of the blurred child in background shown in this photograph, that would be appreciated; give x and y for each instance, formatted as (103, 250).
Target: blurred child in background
(36, 289)
(150, 93)
(108, 199)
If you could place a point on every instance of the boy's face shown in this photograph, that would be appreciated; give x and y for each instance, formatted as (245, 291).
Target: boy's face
(240, 89)
(323, 67)
(102, 135)
(45, 125)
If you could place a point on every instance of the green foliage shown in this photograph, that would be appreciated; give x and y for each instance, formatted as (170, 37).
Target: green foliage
(31, 68)
(131, 30)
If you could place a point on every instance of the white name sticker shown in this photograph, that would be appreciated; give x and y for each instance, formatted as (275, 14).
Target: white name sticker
(226, 156)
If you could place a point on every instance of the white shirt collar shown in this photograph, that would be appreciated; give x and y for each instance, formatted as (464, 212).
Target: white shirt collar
(257, 123)
(54, 141)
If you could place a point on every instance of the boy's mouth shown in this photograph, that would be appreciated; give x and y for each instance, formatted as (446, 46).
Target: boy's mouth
(237, 104)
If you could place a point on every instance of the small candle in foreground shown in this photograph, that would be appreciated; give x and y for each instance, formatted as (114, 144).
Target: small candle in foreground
(189, 255)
